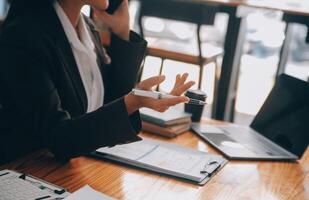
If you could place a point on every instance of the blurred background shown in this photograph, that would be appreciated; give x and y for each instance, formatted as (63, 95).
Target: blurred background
(259, 60)
(264, 36)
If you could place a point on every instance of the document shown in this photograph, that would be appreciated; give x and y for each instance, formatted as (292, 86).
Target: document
(176, 161)
(132, 151)
(88, 193)
(165, 158)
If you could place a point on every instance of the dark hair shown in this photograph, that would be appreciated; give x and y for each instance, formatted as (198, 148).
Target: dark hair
(20, 7)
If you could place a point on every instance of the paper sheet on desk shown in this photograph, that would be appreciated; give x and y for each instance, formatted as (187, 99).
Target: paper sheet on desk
(157, 155)
(166, 158)
(133, 151)
(180, 162)
(87, 193)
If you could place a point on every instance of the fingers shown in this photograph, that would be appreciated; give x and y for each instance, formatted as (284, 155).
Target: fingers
(150, 82)
(177, 80)
(162, 103)
(109, 19)
(182, 88)
(181, 79)
(163, 109)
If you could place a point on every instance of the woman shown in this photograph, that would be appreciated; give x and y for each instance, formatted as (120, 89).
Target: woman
(59, 89)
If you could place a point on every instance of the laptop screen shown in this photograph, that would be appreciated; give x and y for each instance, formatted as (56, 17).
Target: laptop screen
(284, 116)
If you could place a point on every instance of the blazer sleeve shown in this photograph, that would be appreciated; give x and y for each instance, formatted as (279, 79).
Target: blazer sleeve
(33, 107)
(121, 75)
(126, 58)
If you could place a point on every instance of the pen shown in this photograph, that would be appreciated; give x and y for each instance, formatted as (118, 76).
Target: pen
(162, 95)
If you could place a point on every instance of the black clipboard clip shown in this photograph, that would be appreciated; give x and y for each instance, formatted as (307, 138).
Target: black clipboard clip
(38, 183)
(210, 168)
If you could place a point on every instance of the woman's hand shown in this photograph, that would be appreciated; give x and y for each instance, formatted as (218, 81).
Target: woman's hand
(134, 102)
(119, 22)
(180, 84)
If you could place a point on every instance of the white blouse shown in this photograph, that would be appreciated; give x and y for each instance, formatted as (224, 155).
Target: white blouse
(86, 59)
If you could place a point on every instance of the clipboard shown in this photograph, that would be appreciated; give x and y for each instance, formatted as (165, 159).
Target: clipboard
(55, 192)
(165, 158)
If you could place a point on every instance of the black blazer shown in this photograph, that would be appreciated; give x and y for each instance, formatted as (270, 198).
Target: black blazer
(42, 96)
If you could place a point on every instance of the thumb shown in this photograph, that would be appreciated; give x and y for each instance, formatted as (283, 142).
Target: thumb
(150, 82)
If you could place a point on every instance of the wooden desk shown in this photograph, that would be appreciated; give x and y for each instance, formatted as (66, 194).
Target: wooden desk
(237, 180)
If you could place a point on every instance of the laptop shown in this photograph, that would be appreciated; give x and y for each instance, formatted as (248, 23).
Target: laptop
(280, 130)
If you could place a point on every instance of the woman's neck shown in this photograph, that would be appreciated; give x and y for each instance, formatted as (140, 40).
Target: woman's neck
(72, 10)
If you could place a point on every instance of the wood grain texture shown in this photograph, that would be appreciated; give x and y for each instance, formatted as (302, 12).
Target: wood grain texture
(237, 180)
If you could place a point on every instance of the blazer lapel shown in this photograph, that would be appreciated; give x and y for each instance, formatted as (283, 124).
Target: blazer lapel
(66, 57)
(50, 22)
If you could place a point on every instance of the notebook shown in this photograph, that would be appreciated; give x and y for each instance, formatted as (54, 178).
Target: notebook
(166, 158)
(169, 131)
(170, 117)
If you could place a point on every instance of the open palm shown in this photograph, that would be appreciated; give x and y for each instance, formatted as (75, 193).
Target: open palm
(162, 105)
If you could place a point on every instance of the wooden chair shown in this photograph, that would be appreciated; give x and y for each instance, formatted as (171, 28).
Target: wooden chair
(197, 53)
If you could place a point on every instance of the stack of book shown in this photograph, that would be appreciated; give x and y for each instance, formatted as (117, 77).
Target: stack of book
(169, 124)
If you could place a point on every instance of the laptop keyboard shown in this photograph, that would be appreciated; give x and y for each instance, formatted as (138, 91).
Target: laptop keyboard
(252, 142)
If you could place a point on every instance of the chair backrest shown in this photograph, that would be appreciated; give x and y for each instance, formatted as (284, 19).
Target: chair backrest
(181, 10)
